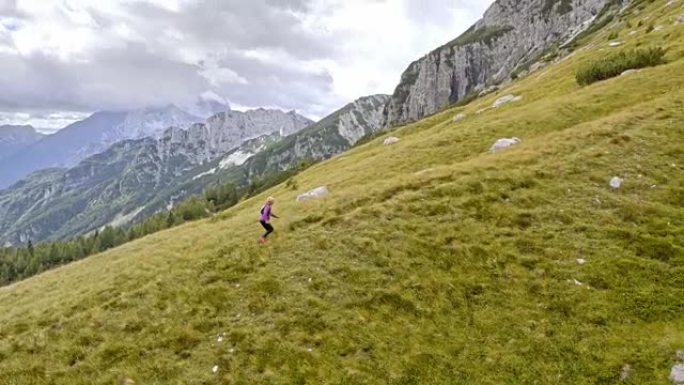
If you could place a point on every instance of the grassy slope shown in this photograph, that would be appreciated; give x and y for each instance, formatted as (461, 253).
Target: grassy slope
(431, 262)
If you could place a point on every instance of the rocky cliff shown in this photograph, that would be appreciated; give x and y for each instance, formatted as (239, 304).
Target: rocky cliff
(510, 34)
(332, 135)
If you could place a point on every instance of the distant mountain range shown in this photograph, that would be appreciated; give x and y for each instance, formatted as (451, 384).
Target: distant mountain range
(92, 135)
(58, 202)
(136, 178)
(16, 138)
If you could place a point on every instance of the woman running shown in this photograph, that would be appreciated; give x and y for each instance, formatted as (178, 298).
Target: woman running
(265, 219)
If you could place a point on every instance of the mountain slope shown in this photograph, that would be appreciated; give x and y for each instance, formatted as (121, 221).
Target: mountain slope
(510, 35)
(90, 136)
(432, 260)
(15, 138)
(266, 155)
(118, 184)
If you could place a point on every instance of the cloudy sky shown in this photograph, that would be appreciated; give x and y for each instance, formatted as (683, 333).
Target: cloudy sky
(63, 59)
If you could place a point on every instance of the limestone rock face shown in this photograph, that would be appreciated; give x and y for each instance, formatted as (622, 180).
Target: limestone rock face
(511, 33)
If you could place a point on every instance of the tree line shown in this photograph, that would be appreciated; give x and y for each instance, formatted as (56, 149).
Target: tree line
(18, 263)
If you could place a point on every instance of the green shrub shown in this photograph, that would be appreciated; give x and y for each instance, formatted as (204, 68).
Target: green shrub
(616, 64)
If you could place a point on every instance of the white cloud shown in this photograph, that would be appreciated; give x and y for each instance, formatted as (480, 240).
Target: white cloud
(310, 55)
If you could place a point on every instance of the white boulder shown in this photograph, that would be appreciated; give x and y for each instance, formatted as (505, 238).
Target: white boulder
(677, 374)
(506, 99)
(315, 193)
(615, 182)
(615, 43)
(390, 140)
(504, 143)
(459, 117)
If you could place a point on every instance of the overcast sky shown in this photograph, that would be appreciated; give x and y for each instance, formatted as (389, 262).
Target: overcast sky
(63, 59)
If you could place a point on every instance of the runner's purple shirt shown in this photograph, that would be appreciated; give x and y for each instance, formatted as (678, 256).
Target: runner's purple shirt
(265, 213)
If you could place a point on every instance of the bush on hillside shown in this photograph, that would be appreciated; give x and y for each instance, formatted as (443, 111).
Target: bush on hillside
(616, 64)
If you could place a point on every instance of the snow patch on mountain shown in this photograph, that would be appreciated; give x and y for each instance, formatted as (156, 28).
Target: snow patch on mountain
(235, 159)
(208, 172)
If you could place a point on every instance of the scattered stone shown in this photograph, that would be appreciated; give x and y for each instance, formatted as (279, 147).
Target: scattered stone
(505, 99)
(487, 91)
(629, 72)
(214, 369)
(576, 282)
(504, 143)
(680, 19)
(680, 355)
(670, 3)
(538, 65)
(481, 110)
(658, 28)
(309, 350)
(390, 140)
(581, 261)
(126, 381)
(315, 193)
(219, 339)
(615, 43)
(615, 182)
(459, 117)
(632, 33)
(231, 350)
(310, 280)
(626, 372)
(654, 186)
(677, 374)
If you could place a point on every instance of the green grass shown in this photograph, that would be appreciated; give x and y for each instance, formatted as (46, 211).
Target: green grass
(616, 64)
(485, 34)
(431, 262)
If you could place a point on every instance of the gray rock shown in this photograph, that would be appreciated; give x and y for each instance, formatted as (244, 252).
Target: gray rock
(390, 140)
(615, 44)
(511, 32)
(318, 192)
(677, 374)
(505, 99)
(626, 372)
(488, 91)
(459, 117)
(362, 117)
(537, 66)
(504, 143)
(615, 182)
